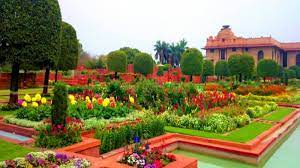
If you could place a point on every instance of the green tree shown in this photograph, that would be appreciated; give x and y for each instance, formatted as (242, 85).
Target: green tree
(208, 69)
(69, 49)
(130, 53)
(29, 34)
(222, 69)
(191, 62)
(267, 68)
(241, 65)
(117, 61)
(143, 64)
(297, 70)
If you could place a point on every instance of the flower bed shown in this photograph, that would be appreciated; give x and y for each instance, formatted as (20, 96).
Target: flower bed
(263, 90)
(46, 159)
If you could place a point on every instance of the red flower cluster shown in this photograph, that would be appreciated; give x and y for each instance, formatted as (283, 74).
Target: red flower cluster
(209, 100)
(264, 90)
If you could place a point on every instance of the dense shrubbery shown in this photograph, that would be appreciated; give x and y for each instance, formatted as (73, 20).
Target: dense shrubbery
(264, 90)
(113, 138)
(34, 113)
(219, 123)
(23, 122)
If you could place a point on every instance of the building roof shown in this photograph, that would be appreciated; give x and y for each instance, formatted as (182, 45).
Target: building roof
(226, 39)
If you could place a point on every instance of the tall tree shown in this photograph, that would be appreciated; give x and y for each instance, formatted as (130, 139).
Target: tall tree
(69, 49)
(208, 70)
(29, 34)
(267, 68)
(241, 65)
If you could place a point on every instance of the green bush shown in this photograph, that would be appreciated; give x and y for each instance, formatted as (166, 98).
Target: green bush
(219, 123)
(117, 137)
(241, 66)
(242, 120)
(115, 89)
(59, 104)
(117, 61)
(143, 64)
(23, 122)
(191, 62)
(34, 113)
(267, 68)
(149, 93)
(222, 69)
(208, 69)
(258, 111)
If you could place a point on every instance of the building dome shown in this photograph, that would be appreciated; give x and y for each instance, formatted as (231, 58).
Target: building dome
(225, 33)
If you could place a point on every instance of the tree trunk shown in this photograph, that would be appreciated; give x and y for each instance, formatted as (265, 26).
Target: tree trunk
(46, 80)
(56, 72)
(24, 78)
(264, 79)
(191, 78)
(116, 75)
(14, 82)
(240, 78)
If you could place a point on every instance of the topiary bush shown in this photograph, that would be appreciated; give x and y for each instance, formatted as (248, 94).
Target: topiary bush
(222, 69)
(59, 104)
(143, 64)
(117, 61)
(208, 69)
(191, 62)
(267, 68)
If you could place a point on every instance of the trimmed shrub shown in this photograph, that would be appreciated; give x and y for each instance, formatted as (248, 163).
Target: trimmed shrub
(267, 68)
(241, 65)
(208, 69)
(221, 68)
(117, 61)
(143, 64)
(191, 62)
(59, 104)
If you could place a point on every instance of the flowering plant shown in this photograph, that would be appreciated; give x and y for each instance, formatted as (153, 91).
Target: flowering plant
(32, 101)
(52, 136)
(142, 156)
(46, 159)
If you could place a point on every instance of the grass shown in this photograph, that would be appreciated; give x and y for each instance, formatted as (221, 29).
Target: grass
(11, 151)
(6, 113)
(4, 94)
(241, 135)
(279, 114)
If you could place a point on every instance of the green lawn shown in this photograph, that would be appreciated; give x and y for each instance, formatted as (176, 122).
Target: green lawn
(279, 114)
(242, 135)
(4, 94)
(6, 113)
(11, 151)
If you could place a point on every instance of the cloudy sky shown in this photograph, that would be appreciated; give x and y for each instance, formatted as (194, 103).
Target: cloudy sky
(106, 25)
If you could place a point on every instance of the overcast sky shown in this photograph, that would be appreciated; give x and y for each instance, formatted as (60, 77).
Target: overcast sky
(106, 25)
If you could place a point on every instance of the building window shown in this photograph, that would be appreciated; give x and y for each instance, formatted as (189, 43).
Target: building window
(234, 49)
(223, 40)
(212, 50)
(222, 54)
(260, 55)
(246, 49)
(298, 59)
(284, 59)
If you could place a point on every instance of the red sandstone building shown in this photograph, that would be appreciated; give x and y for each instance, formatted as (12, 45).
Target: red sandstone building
(226, 43)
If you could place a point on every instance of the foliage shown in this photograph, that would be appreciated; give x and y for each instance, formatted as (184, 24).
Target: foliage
(241, 65)
(191, 62)
(296, 68)
(221, 68)
(117, 61)
(46, 159)
(257, 111)
(267, 68)
(219, 123)
(115, 89)
(208, 68)
(55, 136)
(29, 37)
(242, 120)
(280, 98)
(34, 113)
(149, 93)
(69, 55)
(131, 53)
(95, 63)
(291, 74)
(23, 122)
(143, 64)
(116, 137)
(59, 104)
(169, 53)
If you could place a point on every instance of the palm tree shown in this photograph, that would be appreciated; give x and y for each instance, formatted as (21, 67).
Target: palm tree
(162, 51)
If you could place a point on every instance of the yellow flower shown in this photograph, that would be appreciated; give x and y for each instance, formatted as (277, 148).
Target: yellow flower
(131, 99)
(43, 100)
(94, 100)
(27, 98)
(33, 99)
(71, 97)
(38, 97)
(24, 104)
(106, 102)
(35, 104)
(73, 102)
